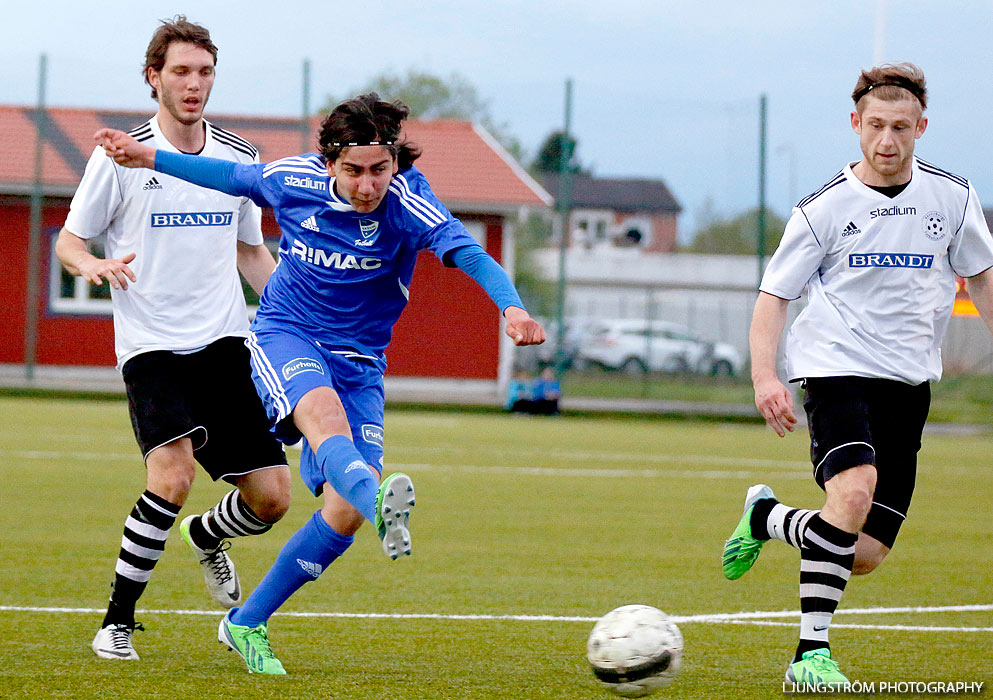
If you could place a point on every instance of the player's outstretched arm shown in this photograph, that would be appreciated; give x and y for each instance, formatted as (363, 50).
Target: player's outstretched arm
(980, 288)
(124, 149)
(772, 398)
(215, 173)
(77, 259)
(521, 328)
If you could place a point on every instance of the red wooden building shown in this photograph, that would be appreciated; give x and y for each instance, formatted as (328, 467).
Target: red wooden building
(450, 329)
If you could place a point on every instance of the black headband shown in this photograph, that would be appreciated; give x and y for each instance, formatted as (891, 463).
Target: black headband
(896, 81)
(338, 144)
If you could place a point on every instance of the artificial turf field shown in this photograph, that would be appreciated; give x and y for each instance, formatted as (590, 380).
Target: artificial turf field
(525, 531)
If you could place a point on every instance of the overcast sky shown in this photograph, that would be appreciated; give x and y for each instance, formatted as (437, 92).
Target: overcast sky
(661, 89)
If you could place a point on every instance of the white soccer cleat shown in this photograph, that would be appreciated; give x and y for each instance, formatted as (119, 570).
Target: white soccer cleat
(218, 570)
(114, 642)
(393, 503)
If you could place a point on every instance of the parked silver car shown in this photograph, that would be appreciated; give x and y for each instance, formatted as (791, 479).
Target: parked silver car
(637, 346)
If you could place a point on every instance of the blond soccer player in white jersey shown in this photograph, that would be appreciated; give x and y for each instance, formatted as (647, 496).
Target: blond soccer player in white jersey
(174, 251)
(877, 249)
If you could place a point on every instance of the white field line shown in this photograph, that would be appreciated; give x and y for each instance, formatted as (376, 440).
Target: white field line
(593, 472)
(597, 473)
(741, 618)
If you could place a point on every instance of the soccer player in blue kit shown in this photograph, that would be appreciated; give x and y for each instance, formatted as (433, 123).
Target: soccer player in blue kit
(354, 217)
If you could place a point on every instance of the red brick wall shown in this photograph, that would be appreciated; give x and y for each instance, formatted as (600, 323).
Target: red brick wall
(663, 234)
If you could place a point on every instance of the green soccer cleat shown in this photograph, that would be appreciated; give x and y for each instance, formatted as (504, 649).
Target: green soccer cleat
(741, 549)
(393, 502)
(816, 667)
(252, 644)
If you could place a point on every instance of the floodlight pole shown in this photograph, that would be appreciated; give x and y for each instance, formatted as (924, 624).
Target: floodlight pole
(305, 145)
(564, 205)
(760, 246)
(34, 233)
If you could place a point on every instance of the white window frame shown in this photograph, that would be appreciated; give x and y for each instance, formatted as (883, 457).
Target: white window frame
(476, 229)
(82, 301)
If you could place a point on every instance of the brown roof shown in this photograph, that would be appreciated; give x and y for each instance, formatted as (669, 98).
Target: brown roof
(618, 194)
(467, 168)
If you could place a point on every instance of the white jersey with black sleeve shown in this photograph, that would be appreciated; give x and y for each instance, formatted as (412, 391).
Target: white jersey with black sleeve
(879, 272)
(188, 292)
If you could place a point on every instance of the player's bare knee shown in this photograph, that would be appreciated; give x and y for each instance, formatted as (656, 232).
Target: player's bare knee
(267, 492)
(270, 507)
(172, 480)
(342, 518)
(867, 562)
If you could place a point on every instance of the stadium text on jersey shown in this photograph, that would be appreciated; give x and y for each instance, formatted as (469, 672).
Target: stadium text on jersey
(892, 211)
(305, 182)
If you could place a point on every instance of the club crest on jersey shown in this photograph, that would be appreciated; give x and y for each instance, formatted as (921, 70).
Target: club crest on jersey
(911, 260)
(199, 218)
(935, 225)
(301, 364)
(373, 433)
(368, 228)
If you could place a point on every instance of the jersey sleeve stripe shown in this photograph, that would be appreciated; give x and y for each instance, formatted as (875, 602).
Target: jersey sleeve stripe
(410, 206)
(301, 164)
(934, 168)
(943, 173)
(143, 130)
(289, 168)
(247, 150)
(419, 201)
(233, 137)
(837, 179)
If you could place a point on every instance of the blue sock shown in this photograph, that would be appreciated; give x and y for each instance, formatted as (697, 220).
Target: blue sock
(307, 554)
(347, 472)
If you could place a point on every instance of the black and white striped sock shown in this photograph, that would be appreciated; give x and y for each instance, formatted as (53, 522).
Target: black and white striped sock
(827, 554)
(145, 533)
(231, 517)
(788, 524)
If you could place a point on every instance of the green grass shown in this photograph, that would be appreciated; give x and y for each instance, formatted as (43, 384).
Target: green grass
(561, 517)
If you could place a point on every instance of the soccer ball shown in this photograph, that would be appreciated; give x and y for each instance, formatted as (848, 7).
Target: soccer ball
(635, 650)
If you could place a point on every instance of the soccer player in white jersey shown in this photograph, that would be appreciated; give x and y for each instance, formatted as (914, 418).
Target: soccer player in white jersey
(877, 248)
(353, 217)
(180, 320)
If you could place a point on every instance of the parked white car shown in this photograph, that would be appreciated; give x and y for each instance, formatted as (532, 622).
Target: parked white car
(637, 346)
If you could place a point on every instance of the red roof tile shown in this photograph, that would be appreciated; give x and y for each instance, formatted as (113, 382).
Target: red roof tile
(467, 168)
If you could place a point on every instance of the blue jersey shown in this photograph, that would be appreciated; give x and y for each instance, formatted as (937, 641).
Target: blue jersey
(343, 278)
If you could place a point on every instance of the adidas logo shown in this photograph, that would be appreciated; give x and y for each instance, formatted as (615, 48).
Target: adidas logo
(152, 184)
(357, 464)
(850, 230)
(310, 223)
(310, 567)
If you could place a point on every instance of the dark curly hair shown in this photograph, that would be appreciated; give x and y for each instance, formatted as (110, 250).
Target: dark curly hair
(363, 119)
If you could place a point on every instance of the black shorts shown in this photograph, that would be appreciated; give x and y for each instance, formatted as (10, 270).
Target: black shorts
(860, 420)
(207, 396)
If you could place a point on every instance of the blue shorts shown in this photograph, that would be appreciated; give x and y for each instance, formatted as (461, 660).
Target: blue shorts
(285, 366)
